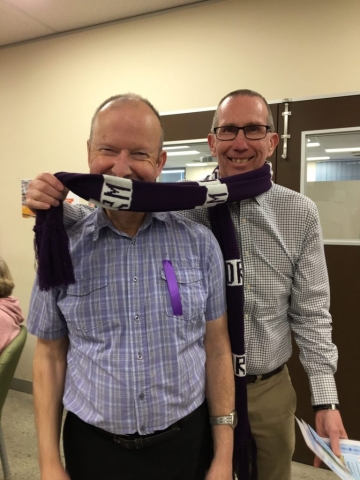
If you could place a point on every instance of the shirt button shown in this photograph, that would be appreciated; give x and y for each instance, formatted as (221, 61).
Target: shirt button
(141, 396)
(247, 287)
(133, 242)
(137, 318)
(139, 356)
(246, 316)
(247, 254)
(243, 221)
(135, 279)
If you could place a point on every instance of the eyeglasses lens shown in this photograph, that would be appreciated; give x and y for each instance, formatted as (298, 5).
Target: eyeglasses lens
(252, 132)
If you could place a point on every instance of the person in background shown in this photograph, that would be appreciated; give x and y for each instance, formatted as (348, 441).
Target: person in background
(131, 368)
(11, 315)
(285, 280)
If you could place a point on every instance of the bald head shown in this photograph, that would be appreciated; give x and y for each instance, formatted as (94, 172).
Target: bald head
(121, 99)
(244, 93)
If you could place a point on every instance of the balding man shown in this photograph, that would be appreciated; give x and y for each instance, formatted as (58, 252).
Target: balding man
(286, 288)
(130, 370)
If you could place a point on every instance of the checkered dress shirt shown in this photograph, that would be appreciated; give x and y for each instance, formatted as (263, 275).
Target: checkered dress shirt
(286, 286)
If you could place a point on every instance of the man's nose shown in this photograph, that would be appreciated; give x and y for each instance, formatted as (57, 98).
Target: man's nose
(121, 166)
(240, 141)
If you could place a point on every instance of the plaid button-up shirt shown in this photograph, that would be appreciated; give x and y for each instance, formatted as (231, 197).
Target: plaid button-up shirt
(134, 365)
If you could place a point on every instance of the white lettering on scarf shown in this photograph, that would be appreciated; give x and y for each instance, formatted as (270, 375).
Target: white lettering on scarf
(116, 193)
(233, 272)
(239, 362)
(216, 192)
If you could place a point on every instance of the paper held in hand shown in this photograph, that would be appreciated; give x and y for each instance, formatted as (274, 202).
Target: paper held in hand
(348, 467)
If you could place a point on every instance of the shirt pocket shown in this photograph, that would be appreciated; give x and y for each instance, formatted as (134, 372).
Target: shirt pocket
(84, 305)
(192, 293)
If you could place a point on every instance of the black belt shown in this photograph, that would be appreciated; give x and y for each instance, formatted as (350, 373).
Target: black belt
(264, 376)
(135, 440)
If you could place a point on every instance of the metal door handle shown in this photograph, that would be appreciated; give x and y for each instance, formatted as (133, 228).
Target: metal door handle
(286, 135)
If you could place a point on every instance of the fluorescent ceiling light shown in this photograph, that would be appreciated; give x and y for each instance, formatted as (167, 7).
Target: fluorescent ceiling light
(313, 144)
(173, 171)
(190, 152)
(199, 164)
(354, 149)
(175, 148)
(317, 158)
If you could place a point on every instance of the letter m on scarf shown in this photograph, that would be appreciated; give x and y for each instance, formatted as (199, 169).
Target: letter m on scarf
(116, 196)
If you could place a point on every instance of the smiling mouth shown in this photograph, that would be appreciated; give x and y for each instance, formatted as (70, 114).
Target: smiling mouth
(239, 160)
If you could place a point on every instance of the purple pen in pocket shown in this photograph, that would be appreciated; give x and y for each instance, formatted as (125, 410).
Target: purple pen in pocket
(173, 287)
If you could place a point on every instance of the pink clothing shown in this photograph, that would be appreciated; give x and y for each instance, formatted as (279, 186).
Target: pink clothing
(10, 318)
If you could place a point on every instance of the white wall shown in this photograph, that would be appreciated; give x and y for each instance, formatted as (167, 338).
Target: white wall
(198, 173)
(181, 59)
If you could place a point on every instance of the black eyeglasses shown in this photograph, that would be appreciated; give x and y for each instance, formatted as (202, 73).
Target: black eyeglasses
(251, 132)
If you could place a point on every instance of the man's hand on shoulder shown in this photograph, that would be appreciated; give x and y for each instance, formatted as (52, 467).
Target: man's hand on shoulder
(329, 424)
(45, 191)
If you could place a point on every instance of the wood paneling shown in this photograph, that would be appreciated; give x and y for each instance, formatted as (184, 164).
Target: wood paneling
(343, 266)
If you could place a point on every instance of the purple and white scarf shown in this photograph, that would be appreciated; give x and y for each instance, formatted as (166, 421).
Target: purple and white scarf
(244, 458)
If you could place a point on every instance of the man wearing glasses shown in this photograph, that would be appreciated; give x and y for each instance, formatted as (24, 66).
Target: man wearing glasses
(285, 285)
(286, 288)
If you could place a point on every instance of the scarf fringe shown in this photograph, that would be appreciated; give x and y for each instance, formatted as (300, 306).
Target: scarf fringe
(245, 462)
(51, 244)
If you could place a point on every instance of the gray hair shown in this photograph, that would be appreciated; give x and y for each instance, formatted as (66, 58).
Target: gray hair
(243, 93)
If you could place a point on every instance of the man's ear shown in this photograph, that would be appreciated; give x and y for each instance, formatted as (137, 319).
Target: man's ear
(160, 162)
(273, 142)
(212, 144)
(88, 151)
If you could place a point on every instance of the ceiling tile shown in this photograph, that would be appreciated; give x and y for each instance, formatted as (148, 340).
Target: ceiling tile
(21, 20)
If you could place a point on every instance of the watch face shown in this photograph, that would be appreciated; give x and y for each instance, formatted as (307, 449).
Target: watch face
(235, 418)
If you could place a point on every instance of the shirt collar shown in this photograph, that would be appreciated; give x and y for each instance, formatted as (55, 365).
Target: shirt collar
(101, 220)
(260, 198)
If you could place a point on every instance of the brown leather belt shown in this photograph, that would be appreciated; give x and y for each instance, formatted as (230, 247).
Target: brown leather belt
(264, 376)
(135, 440)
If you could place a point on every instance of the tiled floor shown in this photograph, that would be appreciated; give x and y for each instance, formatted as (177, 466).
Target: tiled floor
(19, 433)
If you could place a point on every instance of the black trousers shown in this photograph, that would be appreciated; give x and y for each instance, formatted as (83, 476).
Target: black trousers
(92, 455)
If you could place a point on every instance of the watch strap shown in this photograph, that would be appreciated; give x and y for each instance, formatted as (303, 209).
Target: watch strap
(223, 420)
(326, 406)
(230, 419)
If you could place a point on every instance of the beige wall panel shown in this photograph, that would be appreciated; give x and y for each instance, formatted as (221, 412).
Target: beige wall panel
(198, 173)
(184, 59)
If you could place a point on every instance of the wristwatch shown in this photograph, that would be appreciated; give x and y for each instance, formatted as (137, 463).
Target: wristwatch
(231, 419)
(327, 406)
